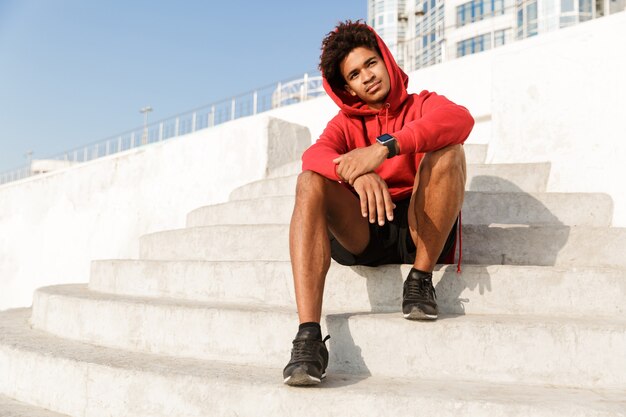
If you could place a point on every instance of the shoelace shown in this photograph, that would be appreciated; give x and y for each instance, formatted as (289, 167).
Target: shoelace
(420, 289)
(303, 349)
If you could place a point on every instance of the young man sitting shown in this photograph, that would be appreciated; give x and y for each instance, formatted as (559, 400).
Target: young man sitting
(383, 184)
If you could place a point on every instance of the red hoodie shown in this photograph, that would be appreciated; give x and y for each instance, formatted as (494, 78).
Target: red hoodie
(421, 123)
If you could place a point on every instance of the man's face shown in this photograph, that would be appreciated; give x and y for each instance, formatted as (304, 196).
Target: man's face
(366, 76)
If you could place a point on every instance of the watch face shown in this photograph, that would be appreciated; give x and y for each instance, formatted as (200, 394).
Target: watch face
(385, 138)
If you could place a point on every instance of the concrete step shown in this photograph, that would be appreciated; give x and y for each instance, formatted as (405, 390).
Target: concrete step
(494, 289)
(474, 154)
(482, 245)
(292, 168)
(12, 408)
(492, 348)
(570, 209)
(101, 381)
(527, 178)
(545, 245)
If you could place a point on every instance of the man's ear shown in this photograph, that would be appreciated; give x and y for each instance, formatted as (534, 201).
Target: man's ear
(349, 90)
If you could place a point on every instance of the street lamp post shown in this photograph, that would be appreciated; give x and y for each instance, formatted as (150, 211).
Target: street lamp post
(29, 158)
(144, 136)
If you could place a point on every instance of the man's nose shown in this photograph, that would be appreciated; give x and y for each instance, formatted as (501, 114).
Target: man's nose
(369, 75)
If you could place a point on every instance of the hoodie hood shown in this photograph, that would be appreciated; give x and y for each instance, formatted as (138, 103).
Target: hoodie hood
(398, 80)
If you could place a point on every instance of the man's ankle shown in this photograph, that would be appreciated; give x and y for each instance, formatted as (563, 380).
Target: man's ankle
(418, 273)
(312, 328)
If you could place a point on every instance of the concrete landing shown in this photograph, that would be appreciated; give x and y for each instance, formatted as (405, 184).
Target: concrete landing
(506, 348)
(118, 383)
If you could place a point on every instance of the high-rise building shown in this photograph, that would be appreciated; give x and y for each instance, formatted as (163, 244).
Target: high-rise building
(425, 32)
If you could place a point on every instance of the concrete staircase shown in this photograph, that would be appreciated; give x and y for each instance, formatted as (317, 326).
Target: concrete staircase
(202, 323)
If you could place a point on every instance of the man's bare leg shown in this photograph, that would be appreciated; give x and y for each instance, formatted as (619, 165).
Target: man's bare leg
(321, 205)
(435, 204)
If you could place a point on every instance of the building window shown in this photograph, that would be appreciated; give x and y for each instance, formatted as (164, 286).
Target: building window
(476, 10)
(531, 19)
(585, 9)
(499, 38)
(568, 20)
(473, 45)
(497, 7)
(520, 24)
(527, 22)
(567, 6)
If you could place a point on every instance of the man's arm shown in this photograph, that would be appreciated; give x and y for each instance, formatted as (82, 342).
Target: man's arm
(372, 190)
(359, 161)
(319, 156)
(442, 124)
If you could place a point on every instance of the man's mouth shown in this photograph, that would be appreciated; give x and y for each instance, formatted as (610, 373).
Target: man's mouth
(373, 87)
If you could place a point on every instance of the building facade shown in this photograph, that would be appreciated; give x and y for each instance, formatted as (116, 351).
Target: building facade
(426, 32)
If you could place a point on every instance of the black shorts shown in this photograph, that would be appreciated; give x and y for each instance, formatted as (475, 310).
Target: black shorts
(390, 243)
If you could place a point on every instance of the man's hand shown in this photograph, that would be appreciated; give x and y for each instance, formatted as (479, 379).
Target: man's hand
(359, 161)
(375, 198)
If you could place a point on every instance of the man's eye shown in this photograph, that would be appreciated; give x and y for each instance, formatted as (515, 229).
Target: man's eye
(372, 63)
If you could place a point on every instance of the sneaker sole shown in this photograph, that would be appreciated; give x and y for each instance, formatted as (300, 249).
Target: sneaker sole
(299, 378)
(417, 314)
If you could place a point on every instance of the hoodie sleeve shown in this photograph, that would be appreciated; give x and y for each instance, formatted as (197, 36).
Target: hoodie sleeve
(319, 156)
(442, 124)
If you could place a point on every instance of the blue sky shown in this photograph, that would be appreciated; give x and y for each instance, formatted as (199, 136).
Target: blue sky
(76, 71)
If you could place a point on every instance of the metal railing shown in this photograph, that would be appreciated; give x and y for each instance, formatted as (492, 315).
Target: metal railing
(248, 104)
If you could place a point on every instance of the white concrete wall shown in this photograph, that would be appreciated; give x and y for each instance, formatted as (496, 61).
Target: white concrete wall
(561, 98)
(53, 225)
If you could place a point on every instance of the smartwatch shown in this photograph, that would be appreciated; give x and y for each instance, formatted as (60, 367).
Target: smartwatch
(390, 142)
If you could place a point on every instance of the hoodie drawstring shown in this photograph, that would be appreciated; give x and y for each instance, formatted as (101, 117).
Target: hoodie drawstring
(460, 232)
(387, 105)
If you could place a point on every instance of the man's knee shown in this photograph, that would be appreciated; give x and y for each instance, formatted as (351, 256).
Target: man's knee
(310, 184)
(446, 161)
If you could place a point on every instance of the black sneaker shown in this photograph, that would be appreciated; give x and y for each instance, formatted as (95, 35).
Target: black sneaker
(309, 359)
(419, 300)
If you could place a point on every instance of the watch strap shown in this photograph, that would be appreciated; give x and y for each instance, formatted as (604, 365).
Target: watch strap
(390, 142)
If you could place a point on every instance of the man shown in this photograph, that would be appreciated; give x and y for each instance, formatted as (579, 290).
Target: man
(383, 184)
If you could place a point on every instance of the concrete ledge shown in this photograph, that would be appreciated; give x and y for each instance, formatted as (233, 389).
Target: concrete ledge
(120, 383)
(527, 349)
(495, 289)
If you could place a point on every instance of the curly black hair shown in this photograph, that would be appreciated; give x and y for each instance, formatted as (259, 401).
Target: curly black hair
(339, 43)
